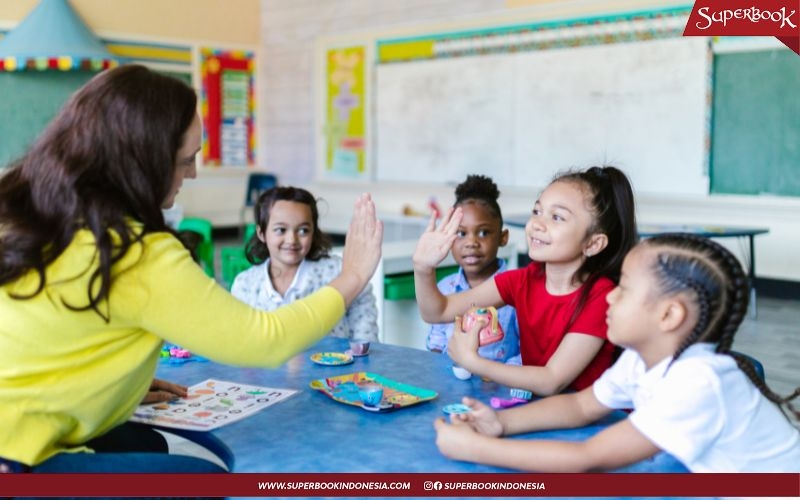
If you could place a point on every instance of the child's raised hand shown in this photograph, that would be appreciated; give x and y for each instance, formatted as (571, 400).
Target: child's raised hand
(362, 250)
(435, 243)
(462, 347)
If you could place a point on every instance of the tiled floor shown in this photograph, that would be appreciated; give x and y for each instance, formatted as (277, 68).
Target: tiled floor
(774, 339)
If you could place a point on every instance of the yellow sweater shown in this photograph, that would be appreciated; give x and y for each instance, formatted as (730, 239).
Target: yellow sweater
(67, 377)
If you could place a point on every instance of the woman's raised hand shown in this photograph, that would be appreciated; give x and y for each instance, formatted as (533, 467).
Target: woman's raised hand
(434, 244)
(362, 250)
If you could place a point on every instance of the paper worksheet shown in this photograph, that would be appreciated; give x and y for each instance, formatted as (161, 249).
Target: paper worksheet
(211, 404)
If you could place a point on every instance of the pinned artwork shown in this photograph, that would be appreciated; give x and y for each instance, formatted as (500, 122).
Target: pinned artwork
(345, 115)
(210, 404)
(227, 102)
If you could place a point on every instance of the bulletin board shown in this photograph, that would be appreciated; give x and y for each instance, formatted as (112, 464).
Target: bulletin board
(524, 102)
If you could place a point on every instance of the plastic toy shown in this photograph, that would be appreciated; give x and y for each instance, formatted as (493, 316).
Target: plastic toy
(173, 354)
(489, 334)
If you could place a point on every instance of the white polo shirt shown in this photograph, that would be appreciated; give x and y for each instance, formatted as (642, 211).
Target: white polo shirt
(704, 411)
(254, 287)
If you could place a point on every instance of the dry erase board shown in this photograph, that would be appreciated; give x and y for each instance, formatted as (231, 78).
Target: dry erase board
(523, 116)
(756, 124)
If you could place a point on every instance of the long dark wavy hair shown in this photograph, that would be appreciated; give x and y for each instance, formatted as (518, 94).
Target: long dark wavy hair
(256, 250)
(611, 202)
(714, 278)
(107, 157)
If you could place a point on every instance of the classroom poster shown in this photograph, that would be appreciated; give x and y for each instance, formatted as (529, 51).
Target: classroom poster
(345, 116)
(210, 404)
(228, 107)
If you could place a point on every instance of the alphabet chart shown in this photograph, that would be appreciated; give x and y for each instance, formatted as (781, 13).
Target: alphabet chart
(210, 404)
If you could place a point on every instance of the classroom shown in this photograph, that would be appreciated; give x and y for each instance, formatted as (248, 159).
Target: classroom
(404, 100)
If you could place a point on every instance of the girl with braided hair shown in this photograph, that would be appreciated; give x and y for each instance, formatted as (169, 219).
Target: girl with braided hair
(678, 305)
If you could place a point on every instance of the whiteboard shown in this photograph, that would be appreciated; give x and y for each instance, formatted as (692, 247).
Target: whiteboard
(522, 117)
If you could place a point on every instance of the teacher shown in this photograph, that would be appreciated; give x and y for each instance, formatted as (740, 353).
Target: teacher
(92, 282)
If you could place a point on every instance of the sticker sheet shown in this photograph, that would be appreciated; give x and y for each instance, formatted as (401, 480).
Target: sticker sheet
(211, 404)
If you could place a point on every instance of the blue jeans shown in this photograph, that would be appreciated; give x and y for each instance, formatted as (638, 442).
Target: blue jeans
(136, 462)
(129, 448)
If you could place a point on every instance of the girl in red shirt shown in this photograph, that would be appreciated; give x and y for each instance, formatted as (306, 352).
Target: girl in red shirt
(580, 229)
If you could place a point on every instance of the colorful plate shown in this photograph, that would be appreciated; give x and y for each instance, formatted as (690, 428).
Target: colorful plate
(344, 389)
(331, 358)
(456, 409)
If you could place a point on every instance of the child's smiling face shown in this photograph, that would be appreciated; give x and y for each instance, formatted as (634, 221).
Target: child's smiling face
(479, 236)
(558, 230)
(289, 233)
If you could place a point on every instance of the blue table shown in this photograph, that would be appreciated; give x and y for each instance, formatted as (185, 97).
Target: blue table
(708, 231)
(310, 432)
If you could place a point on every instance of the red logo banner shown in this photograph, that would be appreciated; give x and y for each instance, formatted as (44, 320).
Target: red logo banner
(778, 18)
(785, 485)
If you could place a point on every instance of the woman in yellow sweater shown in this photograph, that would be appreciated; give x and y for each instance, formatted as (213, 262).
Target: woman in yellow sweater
(92, 281)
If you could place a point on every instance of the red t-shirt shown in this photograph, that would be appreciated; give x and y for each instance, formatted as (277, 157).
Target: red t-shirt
(543, 318)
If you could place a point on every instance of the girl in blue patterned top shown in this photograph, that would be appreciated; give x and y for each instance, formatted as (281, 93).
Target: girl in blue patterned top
(291, 259)
(479, 236)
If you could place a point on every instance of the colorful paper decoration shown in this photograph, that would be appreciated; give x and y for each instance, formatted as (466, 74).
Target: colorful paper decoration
(345, 114)
(53, 37)
(227, 101)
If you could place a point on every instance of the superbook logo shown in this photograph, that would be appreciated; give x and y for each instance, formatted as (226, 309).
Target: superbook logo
(752, 14)
(778, 18)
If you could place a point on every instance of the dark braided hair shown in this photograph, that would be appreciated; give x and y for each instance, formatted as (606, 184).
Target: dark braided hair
(479, 189)
(709, 271)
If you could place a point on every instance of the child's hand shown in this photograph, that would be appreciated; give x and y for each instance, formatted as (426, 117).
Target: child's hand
(453, 439)
(362, 250)
(463, 346)
(482, 418)
(435, 243)
(161, 390)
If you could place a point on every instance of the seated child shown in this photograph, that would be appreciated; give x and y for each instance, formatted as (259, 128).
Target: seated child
(478, 237)
(290, 260)
(581, 227)
(678, 305)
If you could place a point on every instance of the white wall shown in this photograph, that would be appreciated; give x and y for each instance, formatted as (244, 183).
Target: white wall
(777, 253)
(290, 31)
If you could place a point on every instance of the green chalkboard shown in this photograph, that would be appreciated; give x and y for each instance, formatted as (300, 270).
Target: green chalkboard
(28, 101)
(755, 147)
